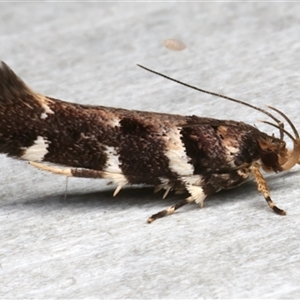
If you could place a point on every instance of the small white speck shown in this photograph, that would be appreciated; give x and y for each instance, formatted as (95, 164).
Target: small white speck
(174, 45)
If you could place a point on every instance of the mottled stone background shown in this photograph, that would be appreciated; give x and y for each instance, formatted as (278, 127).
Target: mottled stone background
(91, 245)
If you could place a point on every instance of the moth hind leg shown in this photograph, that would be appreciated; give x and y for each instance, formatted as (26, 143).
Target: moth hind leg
(55, 170)
(70, 172)
(118, 179)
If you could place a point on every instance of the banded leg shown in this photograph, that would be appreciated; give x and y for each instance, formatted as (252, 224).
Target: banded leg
(117, 178)
(197, 195)
(70, 172)
(264, 190)
(169, 210)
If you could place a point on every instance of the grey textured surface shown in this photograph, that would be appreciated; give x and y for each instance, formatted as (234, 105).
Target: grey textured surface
(92, 245)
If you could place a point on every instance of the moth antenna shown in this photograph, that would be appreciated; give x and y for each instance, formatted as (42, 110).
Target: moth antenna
(281, 132)
(278, 127)
(287, 119)
(214, 94)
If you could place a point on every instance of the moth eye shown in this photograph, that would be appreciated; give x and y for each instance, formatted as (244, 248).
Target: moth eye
(221, 136)
(270, 160)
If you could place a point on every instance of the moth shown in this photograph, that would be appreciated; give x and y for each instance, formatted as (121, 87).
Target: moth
(172, 152)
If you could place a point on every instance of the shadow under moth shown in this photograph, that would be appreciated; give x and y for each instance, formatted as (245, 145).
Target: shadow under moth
(171, 152)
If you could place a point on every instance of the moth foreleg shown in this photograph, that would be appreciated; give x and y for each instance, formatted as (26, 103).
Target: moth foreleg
(264, 190)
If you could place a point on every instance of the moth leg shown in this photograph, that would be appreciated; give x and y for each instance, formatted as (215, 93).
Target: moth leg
(54, 170)
(118, 179)
(70, 172)
(263, 188)
(164, 185)
(168, 188)
(197, 195)
(169, 210)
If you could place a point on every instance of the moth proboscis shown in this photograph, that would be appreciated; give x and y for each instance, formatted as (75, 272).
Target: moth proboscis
(172, 152)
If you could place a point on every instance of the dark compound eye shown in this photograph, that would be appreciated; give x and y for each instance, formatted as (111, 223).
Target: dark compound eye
(270, 160)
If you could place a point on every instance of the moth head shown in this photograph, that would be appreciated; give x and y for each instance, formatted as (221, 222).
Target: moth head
(275, 156)
(273, 153)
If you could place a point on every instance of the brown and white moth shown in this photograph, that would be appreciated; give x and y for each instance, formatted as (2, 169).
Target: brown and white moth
(170, 152)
